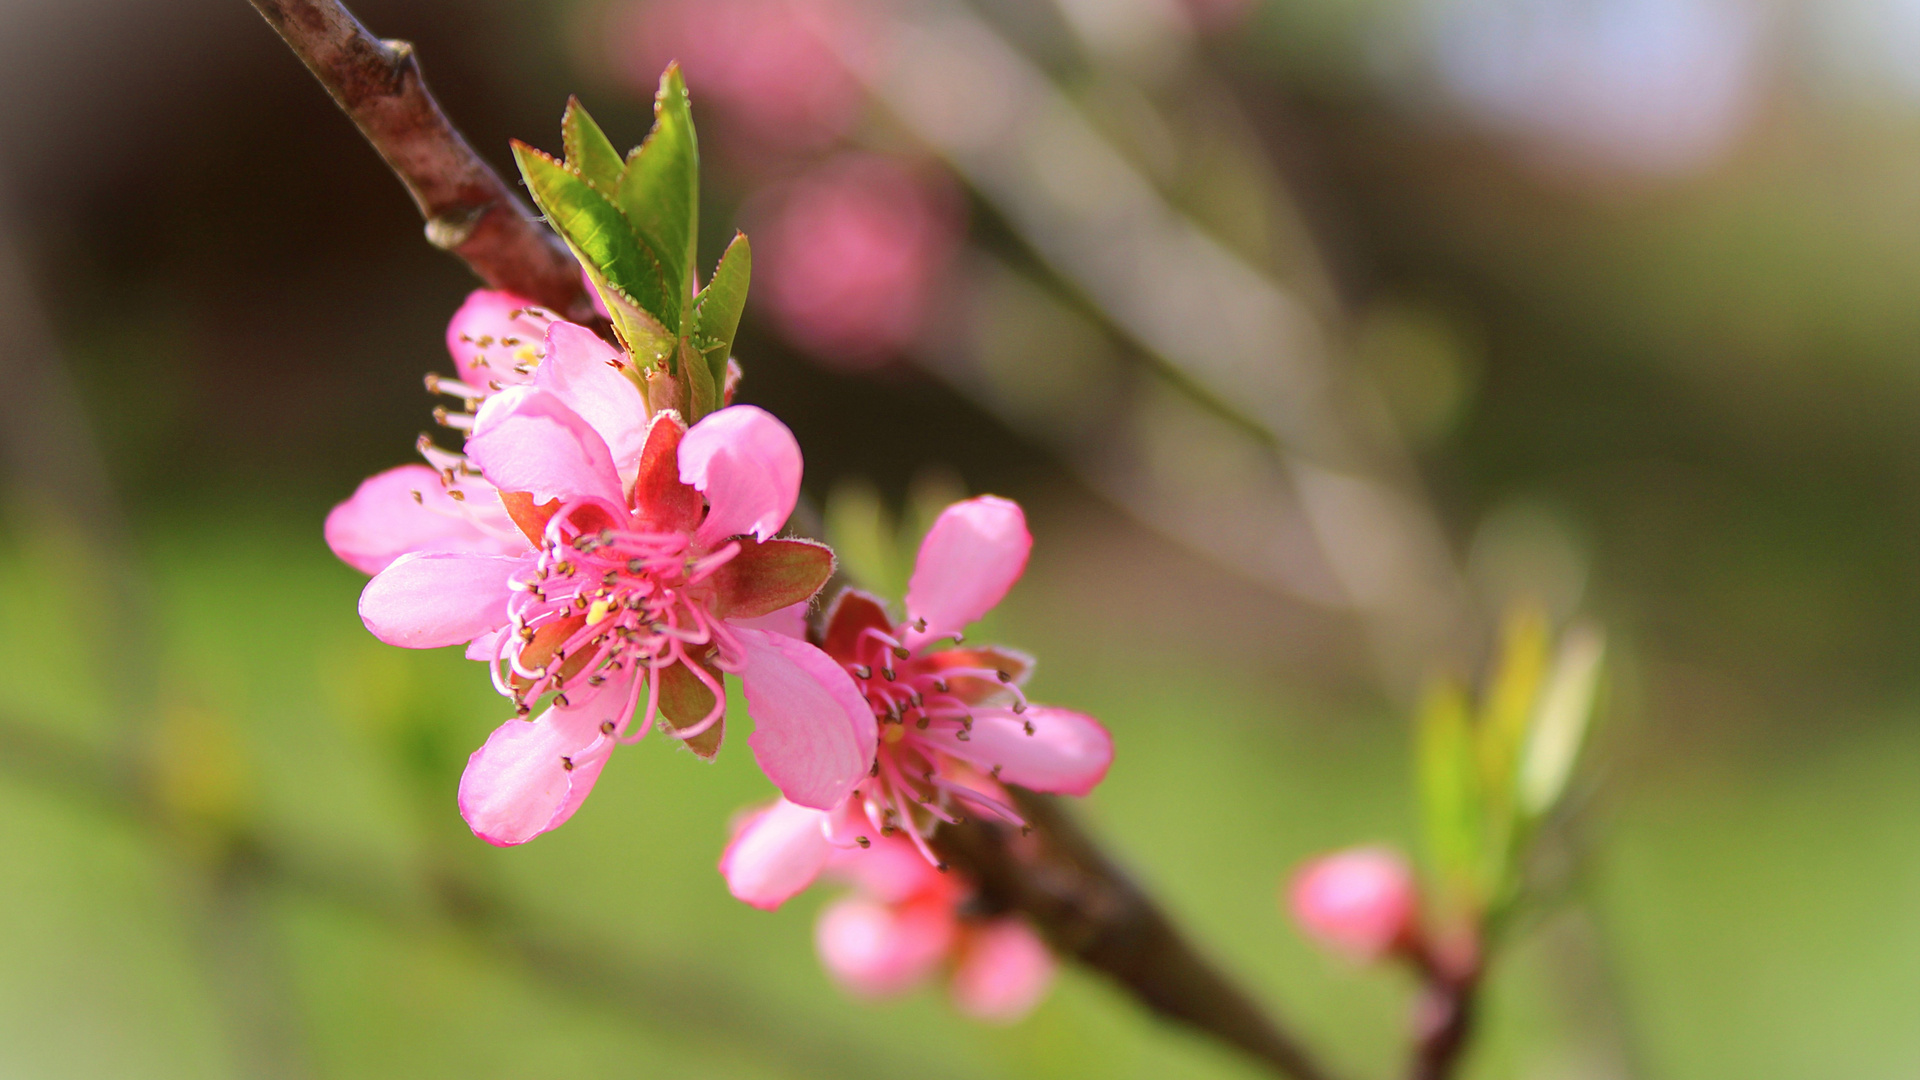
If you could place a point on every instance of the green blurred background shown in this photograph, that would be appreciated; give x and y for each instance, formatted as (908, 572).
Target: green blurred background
(1620, 301)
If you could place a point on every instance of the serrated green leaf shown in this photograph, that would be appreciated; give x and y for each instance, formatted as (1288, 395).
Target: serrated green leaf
(716, 311)
(660, 192)
(1451, 799)
(589, 151)
(626, 273)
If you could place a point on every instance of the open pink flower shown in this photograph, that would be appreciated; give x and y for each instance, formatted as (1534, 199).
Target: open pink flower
(904, 922)
(1360, 902)
(953, 722)
(620, 590)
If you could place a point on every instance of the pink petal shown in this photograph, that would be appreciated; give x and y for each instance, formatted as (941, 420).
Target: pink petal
(890, 870)
(876, 950)
(1068, 752)
(519, 785)
(790, 620)
(748, 465)
(492, 335)
(973, 554)
(1361, 901)
(813, 734)
(486, 647)
(428, 599)
(526, 439)
(383, 520)
(776, 854)
(1003, 973)
(579, 371)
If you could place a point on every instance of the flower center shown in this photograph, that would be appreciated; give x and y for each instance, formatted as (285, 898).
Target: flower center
(598, 603)
(915, 783)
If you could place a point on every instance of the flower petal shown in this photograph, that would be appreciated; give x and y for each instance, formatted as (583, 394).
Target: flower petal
(486, 647)
(1003, 973)
(428, 598)
(408, 509)
(813, 734)
(493, 335)
(889, 869)
(973, 554)
(776, 854)
(748, 465)
(531, 777)
(526, 439)
(584, 372)
(875, 950)
(790, 620)
(1068, 752)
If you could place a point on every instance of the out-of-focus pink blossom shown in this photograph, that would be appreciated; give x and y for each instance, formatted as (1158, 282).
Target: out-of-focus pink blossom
(852, 255)
(765, 64)
(1004, 971)
(589, 551)
(903, 923)
(1361, 902)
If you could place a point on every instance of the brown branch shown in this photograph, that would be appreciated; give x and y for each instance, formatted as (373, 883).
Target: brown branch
(1449, 968)
(470, 211)
(1089, 909)
(1442, 1022)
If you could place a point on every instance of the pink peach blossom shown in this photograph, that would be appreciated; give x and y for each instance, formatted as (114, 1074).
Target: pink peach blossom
(904, 922)
(762, 63)
(953, 722)
(1361, 902)
(620, 562)
(853, 254)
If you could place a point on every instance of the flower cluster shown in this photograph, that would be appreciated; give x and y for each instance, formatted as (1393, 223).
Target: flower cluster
(954, 727)
(621, 563)
(606, 540)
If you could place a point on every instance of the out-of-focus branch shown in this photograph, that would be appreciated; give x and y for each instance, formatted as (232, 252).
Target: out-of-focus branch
(1224, 332)
(1089, 909)
(1441, 1025)
(570, 960)
(470, 210)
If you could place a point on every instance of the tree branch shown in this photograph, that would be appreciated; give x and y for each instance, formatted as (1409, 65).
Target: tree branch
(470, 211)
(1089, 909)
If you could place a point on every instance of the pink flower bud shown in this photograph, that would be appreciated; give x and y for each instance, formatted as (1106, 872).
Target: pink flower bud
(1360, 901)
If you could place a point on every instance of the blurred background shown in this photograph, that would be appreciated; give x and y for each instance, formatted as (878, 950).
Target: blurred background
(1311, 334)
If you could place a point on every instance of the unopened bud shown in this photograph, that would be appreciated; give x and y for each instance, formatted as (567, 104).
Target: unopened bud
(1361, 902)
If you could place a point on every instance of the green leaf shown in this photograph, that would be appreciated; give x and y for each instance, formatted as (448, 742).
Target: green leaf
(1451, 799)
(1506, 717)
(589, 151)
(1561, 719)
(627, 274)
(716, 311)
(660, 192)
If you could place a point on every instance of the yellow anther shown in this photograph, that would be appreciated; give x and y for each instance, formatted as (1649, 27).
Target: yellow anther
(598, 611)
(893, 733)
